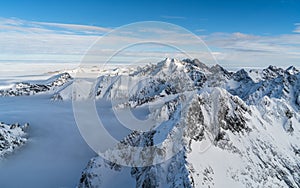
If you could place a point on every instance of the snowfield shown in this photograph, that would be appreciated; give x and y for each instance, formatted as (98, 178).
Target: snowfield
(209, 127)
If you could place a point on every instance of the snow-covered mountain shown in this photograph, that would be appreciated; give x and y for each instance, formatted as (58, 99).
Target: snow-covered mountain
(226, 129)
(11, 137)
(238, 129)
(51, 85)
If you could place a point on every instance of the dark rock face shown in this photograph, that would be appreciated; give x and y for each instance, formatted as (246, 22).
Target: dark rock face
(241, 75)
(218, 69)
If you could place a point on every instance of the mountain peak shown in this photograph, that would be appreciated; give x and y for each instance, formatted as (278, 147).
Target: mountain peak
(219, 69)
(272, 72)
(241, 75)
(197, 63)
(170, 62)
(292, 70)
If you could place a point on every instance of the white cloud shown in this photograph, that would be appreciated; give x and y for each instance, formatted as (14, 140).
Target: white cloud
(297, 29)
(173, 17)
(200, 30)
(240, 49)
(73, 27)
(55, 42)
(15, 24)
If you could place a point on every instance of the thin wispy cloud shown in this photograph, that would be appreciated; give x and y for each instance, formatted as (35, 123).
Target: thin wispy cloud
(200, 30)
(73, 27)
(297, 29)
(173, 17)
(15, 24)
(25, 41)
(238, 49)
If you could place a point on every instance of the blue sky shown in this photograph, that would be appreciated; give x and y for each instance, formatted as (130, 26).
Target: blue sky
(240, 33)
(262, 17)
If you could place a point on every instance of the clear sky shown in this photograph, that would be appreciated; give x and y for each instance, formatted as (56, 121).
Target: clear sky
(247, 16)
(239, 32)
